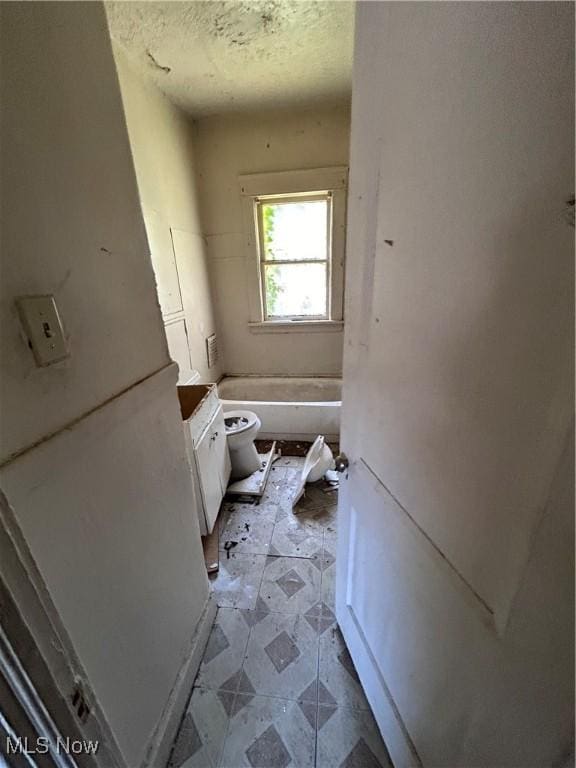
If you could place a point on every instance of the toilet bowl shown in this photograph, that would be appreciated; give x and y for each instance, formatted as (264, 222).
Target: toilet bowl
(241, 430)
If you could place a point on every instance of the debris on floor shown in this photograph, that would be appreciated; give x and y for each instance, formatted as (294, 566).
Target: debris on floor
(210, 545)
(318, 462)
(228, 545)
(255, 484)
(277, 685)
(332, 477)
(293, 448)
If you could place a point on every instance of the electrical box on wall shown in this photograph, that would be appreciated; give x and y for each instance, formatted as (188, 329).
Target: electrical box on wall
(43, 328)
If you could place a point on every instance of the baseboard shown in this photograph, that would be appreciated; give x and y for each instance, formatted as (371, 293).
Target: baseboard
(163, 737)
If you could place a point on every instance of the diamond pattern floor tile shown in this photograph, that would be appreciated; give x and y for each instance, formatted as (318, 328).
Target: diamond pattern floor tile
(224, 652)
(277, 686)
(329, 570)
(349, 738)
(235, 692)
(187, 744)
(361, 756)
(320, 617)
(296, 537)
(201, 736)
(337, 671)
(323, 559)
(255, 616)
(282, 651)
(248, 526)
(237, 582)
(290, 584)
(282, 656)
(268, 749)
(269, 733)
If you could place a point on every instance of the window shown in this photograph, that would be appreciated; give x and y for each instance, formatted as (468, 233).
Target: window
(294, 235)
(295, 227)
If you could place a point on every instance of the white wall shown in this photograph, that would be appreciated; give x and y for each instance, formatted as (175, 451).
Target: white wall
(258, 143)
(71, 225)
(459, 369)
(165, 162)
(474, 299)
(104, 500)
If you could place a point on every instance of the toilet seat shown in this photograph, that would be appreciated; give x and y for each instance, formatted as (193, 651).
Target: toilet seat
(237, 422)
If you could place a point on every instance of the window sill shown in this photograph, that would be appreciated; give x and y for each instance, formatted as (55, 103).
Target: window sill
(297, 326)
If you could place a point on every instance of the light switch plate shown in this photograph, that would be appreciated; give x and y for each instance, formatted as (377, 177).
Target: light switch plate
(42, 325)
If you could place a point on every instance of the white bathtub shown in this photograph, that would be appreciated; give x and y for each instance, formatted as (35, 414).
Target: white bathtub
(289, 408)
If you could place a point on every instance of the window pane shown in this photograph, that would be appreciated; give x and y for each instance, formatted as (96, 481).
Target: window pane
(295, 289)
(295, 231)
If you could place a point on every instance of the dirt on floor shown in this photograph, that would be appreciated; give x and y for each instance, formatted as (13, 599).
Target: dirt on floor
(291, 447)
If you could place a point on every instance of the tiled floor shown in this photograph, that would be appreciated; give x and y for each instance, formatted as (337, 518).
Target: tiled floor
(277, 686)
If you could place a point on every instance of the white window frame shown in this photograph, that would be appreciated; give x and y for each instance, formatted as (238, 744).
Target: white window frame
(259, 203)
(259, 187)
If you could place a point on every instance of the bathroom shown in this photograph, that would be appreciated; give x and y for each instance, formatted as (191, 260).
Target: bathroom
(203, 160)
(206, 174)
(415, 608)
(188, 169)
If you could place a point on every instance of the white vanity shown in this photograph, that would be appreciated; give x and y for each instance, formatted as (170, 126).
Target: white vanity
(207, 449)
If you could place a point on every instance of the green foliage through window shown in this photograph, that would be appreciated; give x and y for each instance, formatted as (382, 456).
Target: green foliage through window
(273, 289)
(294, 258)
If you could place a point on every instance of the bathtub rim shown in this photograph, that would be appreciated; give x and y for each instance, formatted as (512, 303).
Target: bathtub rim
(292, 377)
(330, 403)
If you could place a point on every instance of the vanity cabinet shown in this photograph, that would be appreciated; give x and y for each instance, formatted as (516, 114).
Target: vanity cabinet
(207, 449)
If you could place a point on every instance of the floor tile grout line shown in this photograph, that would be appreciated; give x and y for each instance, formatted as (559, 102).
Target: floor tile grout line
(320, 536)
(323, 536)
(345, 707)
(319, 623)
(248, 551)
(295, 557)
(322, 569)
(229, 719)
(264, 545)
(254, 610)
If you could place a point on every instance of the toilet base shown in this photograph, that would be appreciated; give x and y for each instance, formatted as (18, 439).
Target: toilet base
(245, 461)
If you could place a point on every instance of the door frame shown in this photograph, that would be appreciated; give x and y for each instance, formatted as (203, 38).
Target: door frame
(44, 662)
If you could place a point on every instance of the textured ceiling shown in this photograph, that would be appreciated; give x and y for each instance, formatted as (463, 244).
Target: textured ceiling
(229, 55)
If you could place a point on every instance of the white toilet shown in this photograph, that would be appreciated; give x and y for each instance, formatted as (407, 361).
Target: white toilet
(241, 430)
